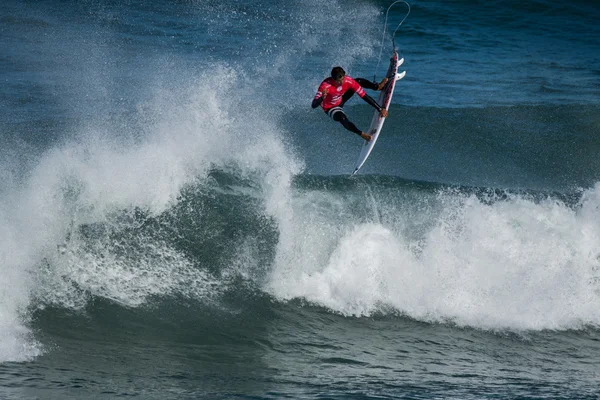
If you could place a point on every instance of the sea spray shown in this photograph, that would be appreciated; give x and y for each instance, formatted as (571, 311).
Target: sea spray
(74, 223)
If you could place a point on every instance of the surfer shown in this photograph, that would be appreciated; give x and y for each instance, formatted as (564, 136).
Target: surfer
(336, 90)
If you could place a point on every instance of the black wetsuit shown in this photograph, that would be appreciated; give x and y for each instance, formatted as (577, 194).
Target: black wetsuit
(337, 113)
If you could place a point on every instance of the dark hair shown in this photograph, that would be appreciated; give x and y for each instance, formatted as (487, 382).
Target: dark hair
(337, 73)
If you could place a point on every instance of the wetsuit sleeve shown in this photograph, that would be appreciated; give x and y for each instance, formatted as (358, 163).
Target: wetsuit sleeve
(372, 102)
(357, 88)
(319, 96)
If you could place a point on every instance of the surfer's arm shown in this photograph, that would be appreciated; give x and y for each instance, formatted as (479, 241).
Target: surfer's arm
(317, 101)
(382, 111)
(319, 97)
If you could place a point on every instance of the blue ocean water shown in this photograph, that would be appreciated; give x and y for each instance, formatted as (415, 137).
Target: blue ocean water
(176, 222)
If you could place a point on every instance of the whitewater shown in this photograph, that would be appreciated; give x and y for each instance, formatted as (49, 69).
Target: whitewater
(176, 222)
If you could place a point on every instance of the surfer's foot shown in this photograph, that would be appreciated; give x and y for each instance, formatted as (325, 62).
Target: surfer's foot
(382, 84)
(366, 136)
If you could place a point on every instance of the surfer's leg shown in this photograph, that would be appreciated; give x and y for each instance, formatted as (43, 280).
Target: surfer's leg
(338, 115)
(346, 123)
(367, 84)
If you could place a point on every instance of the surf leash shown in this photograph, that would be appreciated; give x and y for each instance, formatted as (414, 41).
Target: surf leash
(393, 36)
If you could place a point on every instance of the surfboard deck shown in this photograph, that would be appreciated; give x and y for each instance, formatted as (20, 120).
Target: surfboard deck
(385, 98)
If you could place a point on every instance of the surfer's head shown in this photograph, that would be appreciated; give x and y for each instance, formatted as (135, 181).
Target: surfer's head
(338, 74)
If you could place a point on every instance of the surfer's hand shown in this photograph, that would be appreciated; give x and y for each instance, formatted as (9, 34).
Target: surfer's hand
(324, 92)
(383, 113)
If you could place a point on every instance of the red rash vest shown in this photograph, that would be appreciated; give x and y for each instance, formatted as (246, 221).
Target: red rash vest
(335, 92)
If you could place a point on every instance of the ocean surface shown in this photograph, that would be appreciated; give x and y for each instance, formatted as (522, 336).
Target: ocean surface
(176, 222)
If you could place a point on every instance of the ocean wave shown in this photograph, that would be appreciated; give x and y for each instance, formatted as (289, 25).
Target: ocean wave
(478, 257)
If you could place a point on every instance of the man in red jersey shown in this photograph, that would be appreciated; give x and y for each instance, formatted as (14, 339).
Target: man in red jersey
(336, 90)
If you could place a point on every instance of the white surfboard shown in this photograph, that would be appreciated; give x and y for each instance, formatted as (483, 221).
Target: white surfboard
(385, 97)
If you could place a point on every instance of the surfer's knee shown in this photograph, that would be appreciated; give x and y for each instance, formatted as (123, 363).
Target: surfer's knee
(339, 117)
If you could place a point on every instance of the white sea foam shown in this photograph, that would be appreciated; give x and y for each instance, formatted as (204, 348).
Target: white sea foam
(515, 264)
(99, 174)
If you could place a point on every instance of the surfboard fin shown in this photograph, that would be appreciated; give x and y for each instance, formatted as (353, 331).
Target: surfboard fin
(400, 75)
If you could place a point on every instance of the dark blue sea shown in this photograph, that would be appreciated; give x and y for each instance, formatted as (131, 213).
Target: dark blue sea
(176, 222)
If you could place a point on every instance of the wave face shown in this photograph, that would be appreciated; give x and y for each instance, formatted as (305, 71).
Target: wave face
(165, 185)
(359, 247)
